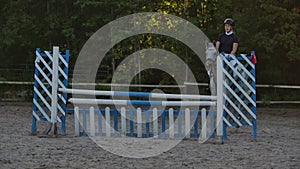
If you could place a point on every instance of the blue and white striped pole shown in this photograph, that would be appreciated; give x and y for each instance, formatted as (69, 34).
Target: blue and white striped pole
(137, 94)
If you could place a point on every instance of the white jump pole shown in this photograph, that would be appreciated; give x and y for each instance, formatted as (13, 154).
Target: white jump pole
(220, 98)
(54, 90)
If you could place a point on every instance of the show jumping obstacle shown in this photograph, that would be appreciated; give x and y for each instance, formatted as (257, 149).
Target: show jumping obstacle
(235, 103)
(146, 120)
(51, 73)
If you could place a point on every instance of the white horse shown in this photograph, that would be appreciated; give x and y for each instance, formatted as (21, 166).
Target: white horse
(211, 68)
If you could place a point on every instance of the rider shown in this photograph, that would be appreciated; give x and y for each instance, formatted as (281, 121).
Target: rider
(227, 44)
(228, 41)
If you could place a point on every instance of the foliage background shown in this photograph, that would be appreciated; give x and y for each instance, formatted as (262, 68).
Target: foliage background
(270, 27)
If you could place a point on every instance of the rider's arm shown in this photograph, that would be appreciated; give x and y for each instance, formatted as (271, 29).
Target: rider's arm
(217, 45)
(234, 48)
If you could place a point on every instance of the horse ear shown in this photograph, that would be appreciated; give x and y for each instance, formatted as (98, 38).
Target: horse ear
(209, 45)
(206, 45)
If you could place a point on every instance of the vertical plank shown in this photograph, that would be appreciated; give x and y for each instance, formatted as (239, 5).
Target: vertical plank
(163, 123)
(195, 120)
(147, 124)
(84, 121)
(155, 123)
(92, 121)
(115, 112)
(171, 123)
(131, 123)
(107, 121)
(187, 122)
(99, 121)
(203, 123)
(139, 122)
(76, 120)
(179, 119)
(123, 121)
(212, 122)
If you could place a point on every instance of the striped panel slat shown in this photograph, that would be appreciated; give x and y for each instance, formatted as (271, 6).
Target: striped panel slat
(239, 75)
(239, 87)
(239, 100)
(239, 92)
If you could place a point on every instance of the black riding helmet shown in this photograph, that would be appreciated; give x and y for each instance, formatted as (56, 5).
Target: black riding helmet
(229, 21)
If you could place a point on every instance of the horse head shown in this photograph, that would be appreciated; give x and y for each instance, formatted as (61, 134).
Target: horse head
(211, 56)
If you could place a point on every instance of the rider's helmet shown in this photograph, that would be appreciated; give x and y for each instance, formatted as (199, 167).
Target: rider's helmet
(229, 21)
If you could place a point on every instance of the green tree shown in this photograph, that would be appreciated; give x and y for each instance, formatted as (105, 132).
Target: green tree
(271, 29)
